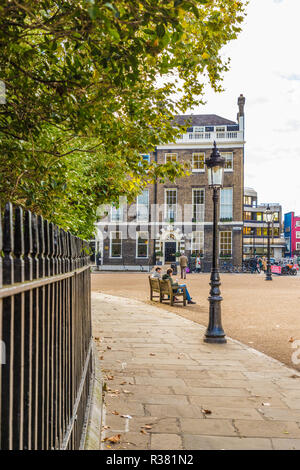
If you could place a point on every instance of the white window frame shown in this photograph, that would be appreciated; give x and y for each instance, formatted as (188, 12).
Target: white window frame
(199, 129)
(194, 245)
(110, 244)
(137, 245)
(298, 235)
(138, 219)
(171, 154)
(203, 205)
(166, 205)
(120, 219)
(198, 170)
(297, 223)
(298, 246)
(223, 154)
(221, 132)
(227, 188)
(225, 231)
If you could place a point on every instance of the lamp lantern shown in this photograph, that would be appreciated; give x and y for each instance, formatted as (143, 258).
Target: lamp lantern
(215, 168)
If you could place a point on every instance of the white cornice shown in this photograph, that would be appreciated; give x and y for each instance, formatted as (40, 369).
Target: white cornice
(203, 145)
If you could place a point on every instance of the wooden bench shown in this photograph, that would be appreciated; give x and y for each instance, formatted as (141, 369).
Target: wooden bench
(165, 288)
(154, 287)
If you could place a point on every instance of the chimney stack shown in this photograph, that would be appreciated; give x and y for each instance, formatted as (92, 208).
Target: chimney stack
(241, 104)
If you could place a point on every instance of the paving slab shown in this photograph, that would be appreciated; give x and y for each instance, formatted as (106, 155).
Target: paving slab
(167, 389)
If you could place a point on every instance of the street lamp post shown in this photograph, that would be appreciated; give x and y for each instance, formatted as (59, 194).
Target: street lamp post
(253, 242)
(215, 169)
(269, 219)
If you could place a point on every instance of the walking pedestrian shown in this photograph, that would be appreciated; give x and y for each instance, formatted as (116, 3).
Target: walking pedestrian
(198, 264)
(183, 262)
(98, 260)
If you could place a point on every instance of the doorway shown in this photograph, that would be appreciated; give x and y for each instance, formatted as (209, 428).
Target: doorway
(170, 250)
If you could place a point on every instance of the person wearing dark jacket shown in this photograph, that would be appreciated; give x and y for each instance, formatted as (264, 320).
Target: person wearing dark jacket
(176, 286)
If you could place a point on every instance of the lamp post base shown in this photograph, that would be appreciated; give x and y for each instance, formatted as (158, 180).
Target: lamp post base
(215, 332)
(214, 339)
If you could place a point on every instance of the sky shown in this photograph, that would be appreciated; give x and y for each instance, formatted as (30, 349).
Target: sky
(265, 68)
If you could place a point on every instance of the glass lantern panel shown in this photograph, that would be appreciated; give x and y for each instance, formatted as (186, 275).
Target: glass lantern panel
(215, 176)
(268, 216)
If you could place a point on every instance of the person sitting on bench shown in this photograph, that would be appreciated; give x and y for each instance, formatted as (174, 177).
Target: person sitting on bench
(176, 286)
(157, 273)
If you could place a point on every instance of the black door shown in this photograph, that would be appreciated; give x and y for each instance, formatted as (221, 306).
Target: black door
(170, 250)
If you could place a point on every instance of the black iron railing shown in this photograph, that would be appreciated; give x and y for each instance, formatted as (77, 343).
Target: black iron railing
(45, 332)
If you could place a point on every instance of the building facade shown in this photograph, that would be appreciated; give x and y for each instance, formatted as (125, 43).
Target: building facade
(292, 234)
(177, 217)
(255, 231)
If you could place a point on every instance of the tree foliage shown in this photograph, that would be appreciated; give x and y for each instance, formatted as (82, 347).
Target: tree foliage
(91, 85)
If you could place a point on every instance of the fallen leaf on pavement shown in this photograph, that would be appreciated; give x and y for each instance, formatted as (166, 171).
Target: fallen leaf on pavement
(115, 413)
(127, 391)
(294, 376)
(101, 358)
(291, 340)
(97, 338)
(206, 412)
(105, 427)
(113, 439)
(126, 416)
(110, 377)
(108, 347)
(123, 383)
(152, 354)
(143, 431)
(147, 426)
(266, 404)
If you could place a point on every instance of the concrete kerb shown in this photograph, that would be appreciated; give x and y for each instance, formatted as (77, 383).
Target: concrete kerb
(265, 356)
(94, 423)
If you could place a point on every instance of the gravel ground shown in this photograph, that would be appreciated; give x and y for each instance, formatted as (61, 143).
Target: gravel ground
(264, 315)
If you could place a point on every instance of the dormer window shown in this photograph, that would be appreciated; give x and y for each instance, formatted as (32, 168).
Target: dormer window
(220, 129)
(199, 129)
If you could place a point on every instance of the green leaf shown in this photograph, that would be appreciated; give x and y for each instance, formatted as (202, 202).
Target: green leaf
(160, 30)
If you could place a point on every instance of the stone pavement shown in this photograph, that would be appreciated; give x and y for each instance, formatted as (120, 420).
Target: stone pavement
(167, 389)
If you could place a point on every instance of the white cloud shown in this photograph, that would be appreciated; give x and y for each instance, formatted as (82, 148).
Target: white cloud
(292, 77)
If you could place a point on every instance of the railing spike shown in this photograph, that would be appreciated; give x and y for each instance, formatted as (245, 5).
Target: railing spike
(8, 245)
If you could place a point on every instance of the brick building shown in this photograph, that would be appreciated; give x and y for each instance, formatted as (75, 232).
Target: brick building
(177, 217)
(292, 234)
(255, 232)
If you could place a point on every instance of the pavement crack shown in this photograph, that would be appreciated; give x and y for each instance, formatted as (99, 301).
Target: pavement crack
(236, 428)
